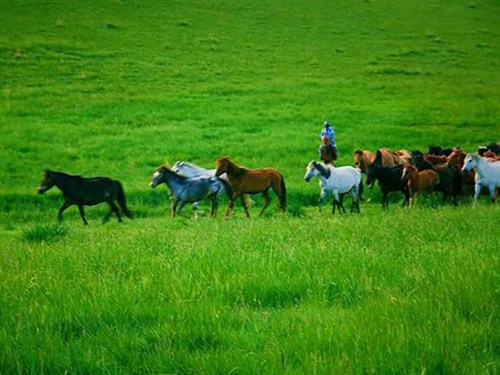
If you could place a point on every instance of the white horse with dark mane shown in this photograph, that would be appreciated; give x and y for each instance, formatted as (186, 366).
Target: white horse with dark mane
(487, 174)
(338, 181)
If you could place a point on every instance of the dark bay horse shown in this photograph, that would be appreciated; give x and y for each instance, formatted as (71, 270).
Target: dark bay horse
(86, 192)
(327, 151)
(190, 190)
(252, 181)
(389, 179)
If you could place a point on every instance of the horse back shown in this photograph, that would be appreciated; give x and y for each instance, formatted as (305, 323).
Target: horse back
(90, 191)
(255, 180)
(389, 159)
(344, 178)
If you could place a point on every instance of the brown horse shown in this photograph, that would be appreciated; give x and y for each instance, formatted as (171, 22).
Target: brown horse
(327, 151)
(491, 156)
(363, 158)
(252, 181)
(402, 156)
(418, 181)
(456, 157)
(435, 159)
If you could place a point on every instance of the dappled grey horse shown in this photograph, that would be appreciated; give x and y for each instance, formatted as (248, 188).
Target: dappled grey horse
(189, 190)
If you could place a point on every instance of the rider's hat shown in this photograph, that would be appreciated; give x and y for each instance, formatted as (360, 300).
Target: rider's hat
(327, 124)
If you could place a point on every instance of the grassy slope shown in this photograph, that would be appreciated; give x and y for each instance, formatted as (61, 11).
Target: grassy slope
(115, 88)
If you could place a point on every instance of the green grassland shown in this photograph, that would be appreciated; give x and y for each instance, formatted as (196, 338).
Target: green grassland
(116, 88)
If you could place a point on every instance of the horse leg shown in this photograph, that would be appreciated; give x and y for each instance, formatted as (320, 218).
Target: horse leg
(267, 200)
(492, 193)
(322, 196)
(354, 199)
(477, 191)
(244, 204)
(114, 208)
(82, 214)
(337, 202)
(230, 207)
(385, 200)
(62, 209)
(174, 207)
(213, 204)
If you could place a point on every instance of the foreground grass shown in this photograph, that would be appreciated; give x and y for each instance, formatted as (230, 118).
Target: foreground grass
(115, 88)
(275, 295)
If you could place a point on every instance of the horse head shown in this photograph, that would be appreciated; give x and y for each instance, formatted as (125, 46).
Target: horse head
(159, 176)
(221, 166)
(358, 158)
(310, 170)
(469, 162)
(47, 183)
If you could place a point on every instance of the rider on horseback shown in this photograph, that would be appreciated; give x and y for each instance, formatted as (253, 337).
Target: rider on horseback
(328, 131)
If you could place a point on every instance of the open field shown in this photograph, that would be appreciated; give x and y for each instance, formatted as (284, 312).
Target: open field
(116, 88)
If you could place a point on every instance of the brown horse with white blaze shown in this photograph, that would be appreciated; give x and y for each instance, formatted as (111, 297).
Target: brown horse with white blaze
(252, 181)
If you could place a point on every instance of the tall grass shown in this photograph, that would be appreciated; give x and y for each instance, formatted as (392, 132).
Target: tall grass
(117, 88)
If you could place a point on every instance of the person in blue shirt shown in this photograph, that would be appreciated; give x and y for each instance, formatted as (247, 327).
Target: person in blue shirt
(328, 131)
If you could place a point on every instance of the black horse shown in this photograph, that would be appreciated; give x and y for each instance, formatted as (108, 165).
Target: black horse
(438, 150)
(86, 192)
(389, 179)
(417, 158)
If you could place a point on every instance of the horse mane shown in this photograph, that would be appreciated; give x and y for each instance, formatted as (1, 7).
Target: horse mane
(166, 168)
(182, 162)
(323, 170)
(232, 167)
(47, 171)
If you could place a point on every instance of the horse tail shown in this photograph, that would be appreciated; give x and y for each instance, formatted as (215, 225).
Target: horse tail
(282, 196)
(120, 197)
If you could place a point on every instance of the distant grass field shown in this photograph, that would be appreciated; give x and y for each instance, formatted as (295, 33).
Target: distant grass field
(116, 88)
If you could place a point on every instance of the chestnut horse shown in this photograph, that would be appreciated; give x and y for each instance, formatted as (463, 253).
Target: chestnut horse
(418, 181)
(327, 151)
(252, 181)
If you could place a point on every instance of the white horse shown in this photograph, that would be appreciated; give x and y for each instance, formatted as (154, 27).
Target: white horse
(191, 170)
(487, 174)
(338, 181)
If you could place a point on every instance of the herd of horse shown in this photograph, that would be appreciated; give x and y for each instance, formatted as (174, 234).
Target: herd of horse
(449, 171)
